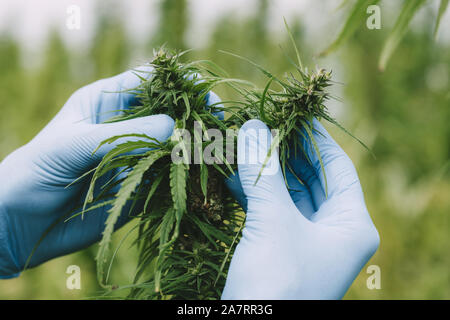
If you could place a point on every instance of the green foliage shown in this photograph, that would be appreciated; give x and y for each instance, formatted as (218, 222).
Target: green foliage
(400, 28)
(358, 15)
(442, 8)
(188, 221)
(400, 115)
(406, 187)
(292, 109)
(353, 22)
(178, 189)
(186, 234)
(127, 187)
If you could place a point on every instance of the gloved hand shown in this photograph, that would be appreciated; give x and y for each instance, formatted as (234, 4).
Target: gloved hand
(33, 193)
(298, 245)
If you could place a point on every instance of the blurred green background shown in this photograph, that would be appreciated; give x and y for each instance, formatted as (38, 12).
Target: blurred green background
(402, 113)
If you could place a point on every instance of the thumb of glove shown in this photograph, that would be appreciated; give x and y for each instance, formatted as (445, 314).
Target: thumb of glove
(264, 188)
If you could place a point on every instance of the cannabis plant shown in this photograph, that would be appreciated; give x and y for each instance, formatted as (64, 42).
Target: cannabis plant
(188, 223)
(358, 14)
(290, 110)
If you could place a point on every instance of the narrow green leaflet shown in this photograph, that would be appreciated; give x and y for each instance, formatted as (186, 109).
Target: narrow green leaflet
(299, 60)
(354, 21)
(115, 138)
(164, 234)
(123, 195)
(178, 189)
(154, 187)
(409, 9)
(187, 104)
(442, 8)
(262, 113)
(104, 164)
(316, 149)
(222, 266)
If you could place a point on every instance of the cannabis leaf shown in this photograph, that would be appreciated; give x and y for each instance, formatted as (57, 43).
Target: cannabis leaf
(178, 189)
(442, 8)
(353, 22)
(133, 179)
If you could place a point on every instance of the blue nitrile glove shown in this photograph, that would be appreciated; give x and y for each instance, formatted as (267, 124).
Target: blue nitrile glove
(298, 245)
(33, 191)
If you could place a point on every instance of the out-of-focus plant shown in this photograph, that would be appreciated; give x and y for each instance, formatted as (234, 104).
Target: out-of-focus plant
(172, 25)
(358, 15)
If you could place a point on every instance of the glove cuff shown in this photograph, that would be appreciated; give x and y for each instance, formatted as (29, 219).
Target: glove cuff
(8, 264)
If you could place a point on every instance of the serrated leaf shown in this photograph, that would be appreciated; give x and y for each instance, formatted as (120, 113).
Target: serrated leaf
(115, 138)
(178, 189)
(196, 116)
(275, 143)
(337, 124)
(167, 225)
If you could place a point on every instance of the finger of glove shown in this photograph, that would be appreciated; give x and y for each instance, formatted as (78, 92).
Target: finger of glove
(301, 195)
(340, 173)
(105, 98)
(214, 101)
(265, 189)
